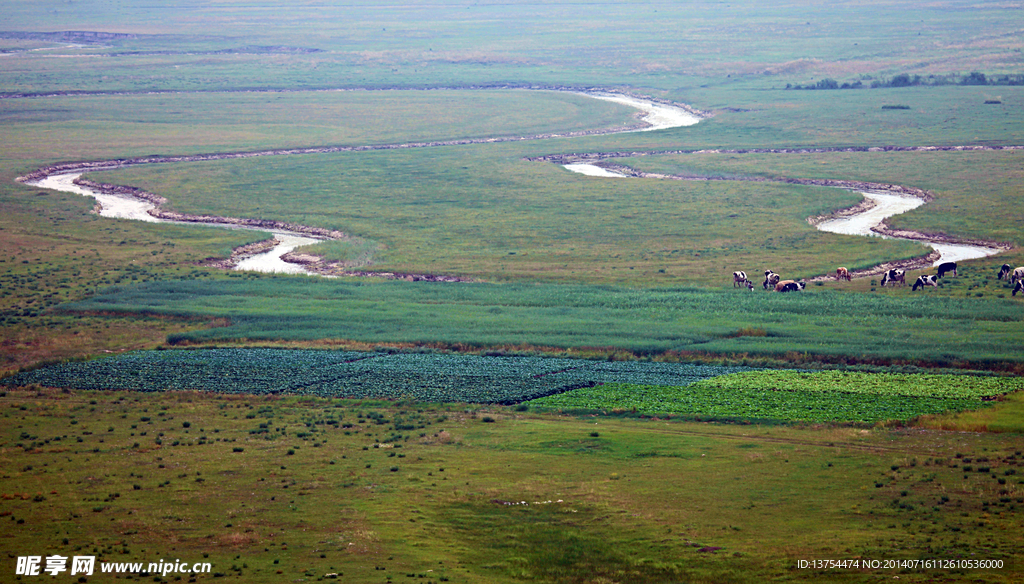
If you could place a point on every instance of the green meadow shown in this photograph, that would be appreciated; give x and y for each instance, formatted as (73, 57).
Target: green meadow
(270, 488)
(815, 326)
(736, 479)
(486, 213)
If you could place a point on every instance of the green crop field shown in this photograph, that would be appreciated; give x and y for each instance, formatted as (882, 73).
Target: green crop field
(351, 374)
(158, 407)
(653, 388)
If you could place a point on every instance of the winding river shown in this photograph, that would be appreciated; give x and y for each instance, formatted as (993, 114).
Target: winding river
(119, 206)
(864, 223)
(886, 205)
(655, 115)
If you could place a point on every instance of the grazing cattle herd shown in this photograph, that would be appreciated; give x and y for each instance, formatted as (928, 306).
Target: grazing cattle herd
(772, 282)
(891, 277)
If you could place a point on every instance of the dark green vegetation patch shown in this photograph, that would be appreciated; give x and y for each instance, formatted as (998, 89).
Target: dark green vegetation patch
(700, 391)
(421, 376)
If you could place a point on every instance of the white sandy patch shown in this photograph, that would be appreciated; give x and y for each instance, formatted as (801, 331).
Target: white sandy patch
(592, 170)
(114, 206)
(660, 116)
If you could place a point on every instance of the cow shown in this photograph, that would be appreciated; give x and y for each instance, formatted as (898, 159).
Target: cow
(1018, 288)
(842, 274)
(1018, 275)
(945, 268)
(923, 281)
(894, 275)
(1004, 272)
(739, 279)
(790, 286)
(770, 279)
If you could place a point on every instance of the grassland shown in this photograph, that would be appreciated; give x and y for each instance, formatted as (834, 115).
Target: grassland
(488, 214)
(269, 489)
(817, 325)
(196, 46)
(483, 211)
(955, 179)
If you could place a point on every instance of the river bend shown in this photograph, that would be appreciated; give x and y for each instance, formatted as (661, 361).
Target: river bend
(655, 115)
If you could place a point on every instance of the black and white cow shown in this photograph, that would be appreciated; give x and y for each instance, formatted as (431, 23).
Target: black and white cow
(790, 286)
(945, 268)
(1019, 287)
(923, 281)
(1004, 272)
(1018, 275)
(894, 276)
(739, 279)
(770, 280)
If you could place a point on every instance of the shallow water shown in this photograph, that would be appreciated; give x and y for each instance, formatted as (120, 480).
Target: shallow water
(271, 261)
(888, 205)
(125, 207)
(114, 206)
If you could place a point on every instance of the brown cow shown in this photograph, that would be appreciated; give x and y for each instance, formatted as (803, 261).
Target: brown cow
(842, 274)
